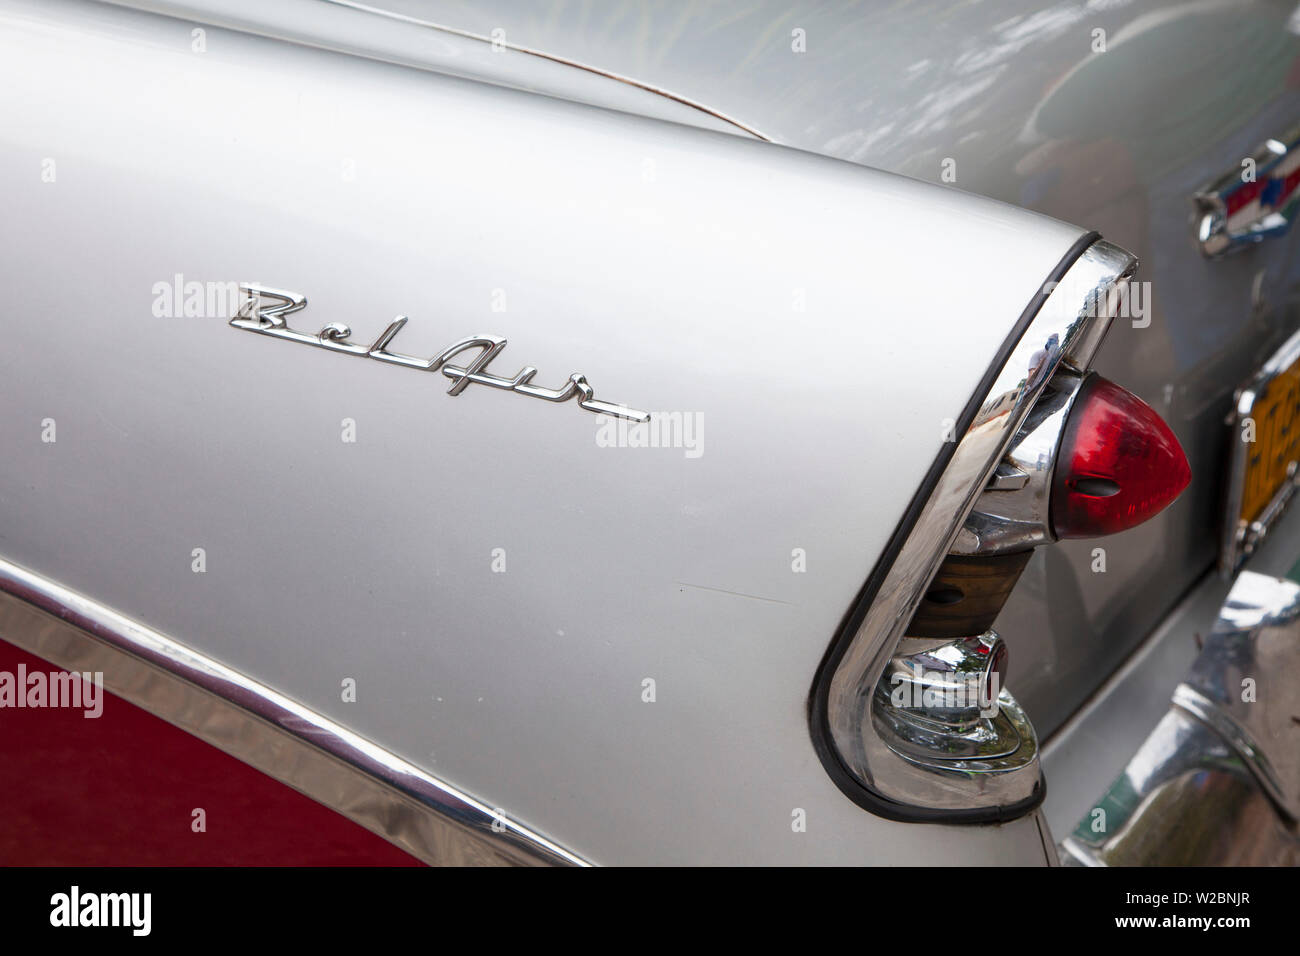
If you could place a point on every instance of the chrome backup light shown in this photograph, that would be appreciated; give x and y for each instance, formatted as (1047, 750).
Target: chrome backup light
(929, 761)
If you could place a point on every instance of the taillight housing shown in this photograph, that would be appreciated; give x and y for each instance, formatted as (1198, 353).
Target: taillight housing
(1118, 463)
(893, 701)
(1092, 459)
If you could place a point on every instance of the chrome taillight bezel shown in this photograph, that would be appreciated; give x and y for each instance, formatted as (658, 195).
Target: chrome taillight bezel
(1062, 328)
(1006, 518)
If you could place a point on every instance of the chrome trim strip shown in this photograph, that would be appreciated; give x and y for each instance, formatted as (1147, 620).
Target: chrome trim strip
(555, 58)
(428, 818)
(1017, 519)
(1066, 330)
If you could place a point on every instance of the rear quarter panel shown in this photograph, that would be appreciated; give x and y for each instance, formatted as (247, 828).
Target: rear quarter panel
(824, 321)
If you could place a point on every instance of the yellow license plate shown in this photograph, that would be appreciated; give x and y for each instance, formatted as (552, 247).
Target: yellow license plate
(1265, 457)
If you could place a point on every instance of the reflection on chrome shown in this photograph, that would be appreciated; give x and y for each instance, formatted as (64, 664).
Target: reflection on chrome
(873, 744)
(1002, 521)
(1218, 781)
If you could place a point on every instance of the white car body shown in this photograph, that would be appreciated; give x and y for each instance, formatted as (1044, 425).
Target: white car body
(497, 582)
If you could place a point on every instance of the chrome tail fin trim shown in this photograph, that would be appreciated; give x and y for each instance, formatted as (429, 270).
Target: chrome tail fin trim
(1062, 327)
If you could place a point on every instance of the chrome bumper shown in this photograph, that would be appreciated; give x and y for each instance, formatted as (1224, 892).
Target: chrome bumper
(1218, 780)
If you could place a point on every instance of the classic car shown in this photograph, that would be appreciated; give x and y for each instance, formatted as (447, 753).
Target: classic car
(984, 555)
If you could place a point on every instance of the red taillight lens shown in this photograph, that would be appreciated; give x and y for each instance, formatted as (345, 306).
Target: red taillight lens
(1118, 464)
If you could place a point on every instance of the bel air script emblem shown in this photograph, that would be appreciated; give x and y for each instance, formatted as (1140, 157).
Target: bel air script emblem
(254, 316)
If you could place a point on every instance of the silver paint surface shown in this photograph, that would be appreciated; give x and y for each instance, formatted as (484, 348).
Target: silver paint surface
(328, 560)
(1015, 95)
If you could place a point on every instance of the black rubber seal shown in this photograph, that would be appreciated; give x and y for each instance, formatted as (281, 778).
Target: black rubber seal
(818, 717)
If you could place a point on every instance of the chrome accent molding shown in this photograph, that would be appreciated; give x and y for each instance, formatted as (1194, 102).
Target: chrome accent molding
(334, 337)
(1013, 513)
(942, 704)
(1243, 206)
(502, 44)
(946, 684)
(1065, 331)
(387, 795)
(1217, 782)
